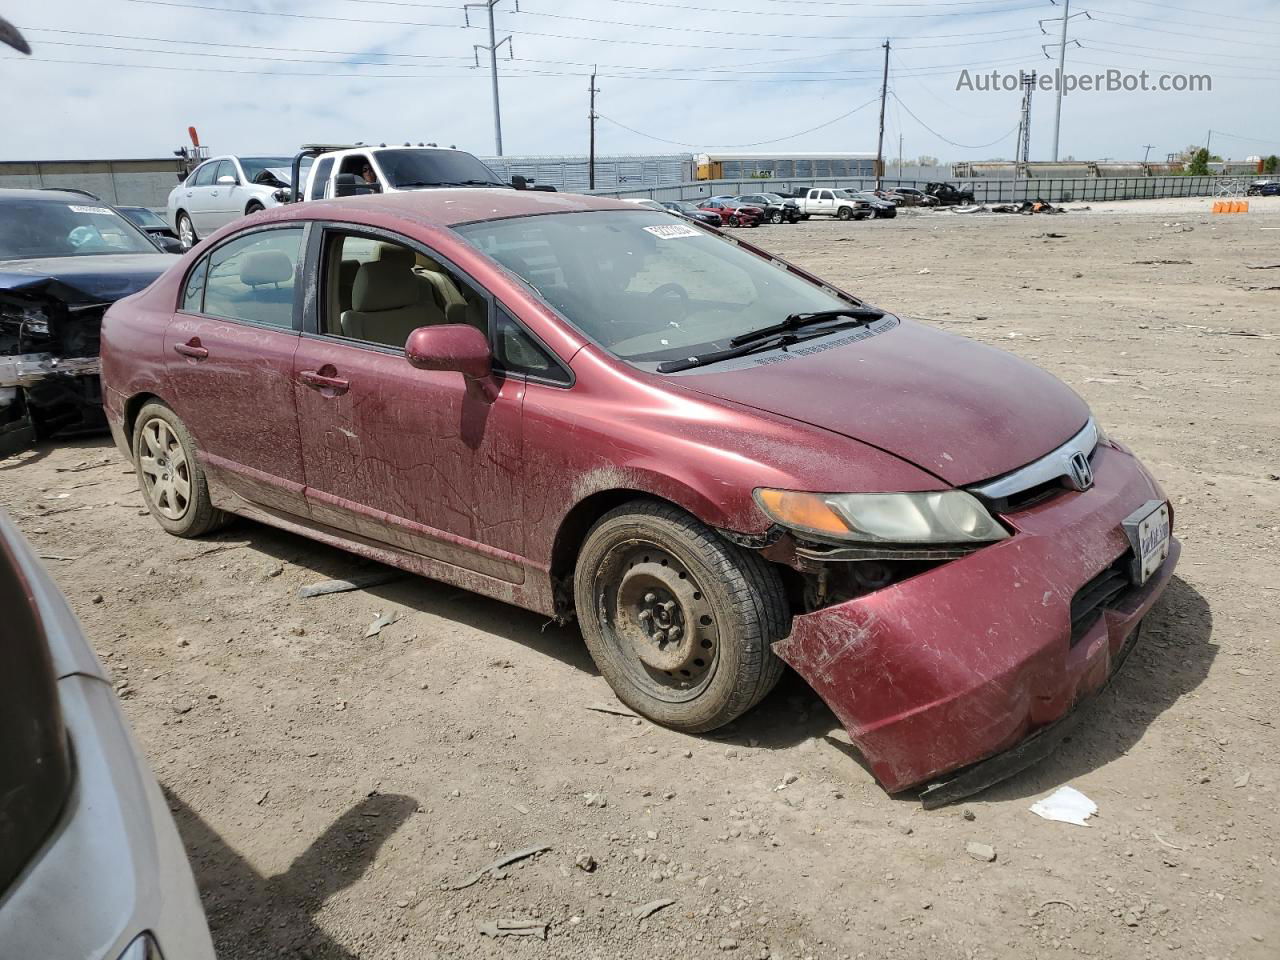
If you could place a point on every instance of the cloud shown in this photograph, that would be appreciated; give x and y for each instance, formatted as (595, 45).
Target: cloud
(744, 77)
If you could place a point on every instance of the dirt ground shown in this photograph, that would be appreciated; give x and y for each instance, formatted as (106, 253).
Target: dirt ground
(334, 788)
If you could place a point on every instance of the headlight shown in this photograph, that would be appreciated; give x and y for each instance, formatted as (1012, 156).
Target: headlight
(951, 516)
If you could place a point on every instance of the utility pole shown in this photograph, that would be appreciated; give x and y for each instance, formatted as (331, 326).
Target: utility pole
(1148, 147)
(1024, 124)
(1062, 65)
(492, 49)
(591, 114)
(899, 156)
(884, 93)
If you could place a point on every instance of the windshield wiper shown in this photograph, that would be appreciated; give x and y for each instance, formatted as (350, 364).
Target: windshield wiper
(701, 360)
(797, 321)
(456, 183)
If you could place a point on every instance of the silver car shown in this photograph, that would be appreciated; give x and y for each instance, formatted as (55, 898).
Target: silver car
(91, 864)
(224, 189)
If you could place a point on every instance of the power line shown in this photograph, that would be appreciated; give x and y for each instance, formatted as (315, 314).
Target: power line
(1166, 8)
(1231, 58)
(965, 146)
(731, 146)
(1184, 23)
(1100, 18)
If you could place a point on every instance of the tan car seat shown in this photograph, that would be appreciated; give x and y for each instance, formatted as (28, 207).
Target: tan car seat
(437, 286)
(387, 305)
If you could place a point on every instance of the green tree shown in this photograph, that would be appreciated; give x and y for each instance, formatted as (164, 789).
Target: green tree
(1199, 166)
(1271, 164)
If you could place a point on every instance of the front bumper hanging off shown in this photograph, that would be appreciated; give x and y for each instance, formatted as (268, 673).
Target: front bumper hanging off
(972, 666)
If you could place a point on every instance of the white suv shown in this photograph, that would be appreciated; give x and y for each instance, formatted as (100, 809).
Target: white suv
(382, 169)
(225, 189)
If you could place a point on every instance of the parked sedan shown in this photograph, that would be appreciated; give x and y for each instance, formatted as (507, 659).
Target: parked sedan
(777, 209)
(880, 207)
(149, 221)
(64, 258)
(714, 461)
(91, 864)
(225, 189)
(1264, 188)
(912, 197)
(733, 213)
(684, 208)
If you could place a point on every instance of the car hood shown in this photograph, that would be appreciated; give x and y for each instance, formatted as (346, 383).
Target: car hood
(961, 410)
(89, 279)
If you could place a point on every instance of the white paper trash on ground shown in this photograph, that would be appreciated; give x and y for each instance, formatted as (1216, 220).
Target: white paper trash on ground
(1066, 804)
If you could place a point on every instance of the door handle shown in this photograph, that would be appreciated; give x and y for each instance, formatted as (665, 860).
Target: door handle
(192, 349)
(329, 386)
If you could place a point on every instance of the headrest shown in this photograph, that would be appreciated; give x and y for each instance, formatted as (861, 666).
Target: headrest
(266, 266)
(394, 253)
(384, 285)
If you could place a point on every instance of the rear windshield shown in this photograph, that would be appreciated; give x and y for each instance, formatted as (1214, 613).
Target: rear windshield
(79, 227)
(644, 286)
(409, 168)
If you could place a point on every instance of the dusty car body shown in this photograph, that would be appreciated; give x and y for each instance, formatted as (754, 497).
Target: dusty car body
(933, 533)
(52, 298)
(91, 864)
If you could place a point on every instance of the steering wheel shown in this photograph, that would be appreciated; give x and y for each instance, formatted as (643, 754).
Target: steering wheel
(672, 293)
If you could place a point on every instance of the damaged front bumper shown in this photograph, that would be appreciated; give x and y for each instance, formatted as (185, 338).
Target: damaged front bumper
(42, 381)
(967, 660)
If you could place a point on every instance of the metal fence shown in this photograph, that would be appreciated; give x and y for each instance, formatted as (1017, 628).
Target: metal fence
(1082, 190)
(612, 172)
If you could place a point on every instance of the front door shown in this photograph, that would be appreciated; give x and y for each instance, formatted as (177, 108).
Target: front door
(229, 356)
(224, 198)
(422, 460)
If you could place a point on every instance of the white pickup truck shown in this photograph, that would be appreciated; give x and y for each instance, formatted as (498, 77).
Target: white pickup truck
(348, 171)
(822, 202)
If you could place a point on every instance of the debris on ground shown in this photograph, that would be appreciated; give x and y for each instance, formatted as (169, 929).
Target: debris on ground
(981, 851)
(514, 928)
(357, 582)
(383, 620)
(495, 868)
(653, 906)
(1066, 805)
(605, 708)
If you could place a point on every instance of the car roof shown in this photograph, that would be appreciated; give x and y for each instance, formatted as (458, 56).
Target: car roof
(22, 193)
(449, 206)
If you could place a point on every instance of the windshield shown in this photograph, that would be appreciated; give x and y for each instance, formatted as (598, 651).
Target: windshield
(36, 227)
(143, 217)
(270, 171)
(843, 194)
(644, 288)
(431, 168)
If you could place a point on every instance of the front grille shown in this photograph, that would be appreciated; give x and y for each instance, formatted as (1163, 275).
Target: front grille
(1103, 591)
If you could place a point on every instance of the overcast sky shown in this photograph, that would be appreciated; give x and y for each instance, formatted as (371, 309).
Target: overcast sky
(124, 78)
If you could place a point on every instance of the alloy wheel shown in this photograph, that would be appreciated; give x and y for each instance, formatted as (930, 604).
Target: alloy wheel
(186, 232)
(166, 474)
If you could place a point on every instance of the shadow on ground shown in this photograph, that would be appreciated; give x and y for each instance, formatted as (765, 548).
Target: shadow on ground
(274, 917)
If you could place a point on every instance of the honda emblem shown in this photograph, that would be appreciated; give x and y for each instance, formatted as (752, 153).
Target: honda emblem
(1080, 471)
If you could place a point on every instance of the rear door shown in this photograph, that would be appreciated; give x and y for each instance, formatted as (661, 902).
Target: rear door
(196, 200)
(229, 356)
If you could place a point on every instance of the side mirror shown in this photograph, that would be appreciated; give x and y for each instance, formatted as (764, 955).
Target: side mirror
(520, 182)
(227, 181)
(450, 346)
(344, 185)
(170, 244)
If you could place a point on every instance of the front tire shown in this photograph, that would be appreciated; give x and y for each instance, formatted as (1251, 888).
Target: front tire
(169, 473)
(679, 621)
(186, 231)
(844, 213)
(253, 207)
(775, 218)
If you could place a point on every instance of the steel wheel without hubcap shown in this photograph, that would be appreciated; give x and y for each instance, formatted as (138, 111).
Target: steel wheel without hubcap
(186, 232)
(166, 474)
(659, 621)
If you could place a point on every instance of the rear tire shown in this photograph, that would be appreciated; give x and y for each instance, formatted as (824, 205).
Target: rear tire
(679, 621)
(170, 476)
(186, 231)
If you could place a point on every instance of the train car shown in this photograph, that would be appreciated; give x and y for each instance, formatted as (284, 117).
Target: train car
(783, 166)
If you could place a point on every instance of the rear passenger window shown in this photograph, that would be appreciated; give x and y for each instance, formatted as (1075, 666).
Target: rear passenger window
(378, 291)
(252, 278)
(193, 295)
(321, 178)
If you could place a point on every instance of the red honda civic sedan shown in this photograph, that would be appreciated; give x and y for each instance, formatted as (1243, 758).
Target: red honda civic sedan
(713, 460)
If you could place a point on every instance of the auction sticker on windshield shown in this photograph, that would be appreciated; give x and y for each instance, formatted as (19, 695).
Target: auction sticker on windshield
(672, 230)
(100, 210)
(1148, 531)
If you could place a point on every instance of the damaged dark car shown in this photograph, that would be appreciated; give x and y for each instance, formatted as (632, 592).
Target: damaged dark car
(64, 258)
